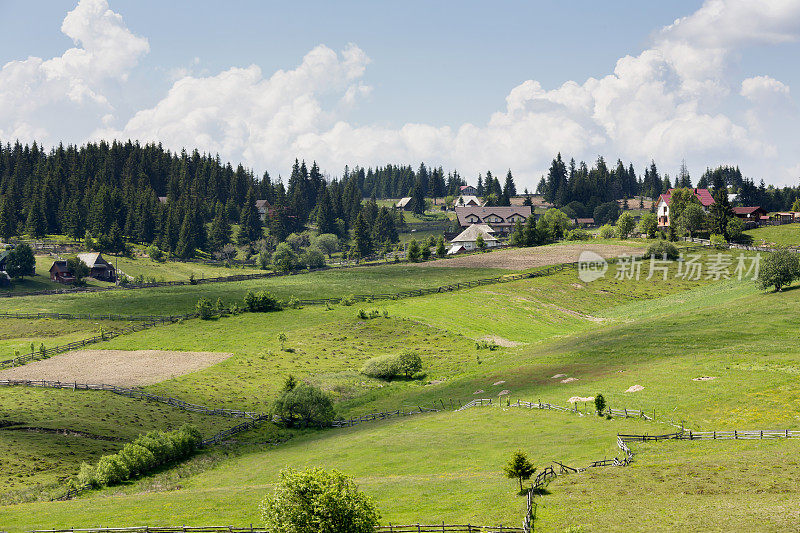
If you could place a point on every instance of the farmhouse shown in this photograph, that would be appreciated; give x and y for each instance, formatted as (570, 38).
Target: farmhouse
(468, 200)
(99, 268)
(749, 214)
(60, 273)
(468, 190)
(662, 207)
(467, 239)
(264, 209)
(404, 203)
(500, 219)
(584, 222)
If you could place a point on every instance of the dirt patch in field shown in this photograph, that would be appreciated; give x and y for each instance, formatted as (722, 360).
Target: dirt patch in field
(634, 388)
(535, 256)
(500, 341)
(116, 367)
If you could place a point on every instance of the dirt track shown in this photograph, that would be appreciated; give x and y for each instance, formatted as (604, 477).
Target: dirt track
(536, 256)
(115, 367)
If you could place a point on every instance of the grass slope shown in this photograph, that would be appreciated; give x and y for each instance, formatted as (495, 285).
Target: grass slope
(785, 235)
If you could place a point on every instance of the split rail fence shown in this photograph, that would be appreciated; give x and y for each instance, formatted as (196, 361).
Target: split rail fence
(411, 528)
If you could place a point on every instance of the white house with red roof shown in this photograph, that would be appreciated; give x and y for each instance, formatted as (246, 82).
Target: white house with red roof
(468, 190)
(662, 207)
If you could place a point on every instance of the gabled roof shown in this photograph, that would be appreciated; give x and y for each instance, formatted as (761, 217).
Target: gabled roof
(701, 194)
(585, 220)
(471, 234)
(747, 210)
(93, 260)
(404, 201)
(59, 266)
(262, 204)
(467, 198)
(466, 187)
(482, 212)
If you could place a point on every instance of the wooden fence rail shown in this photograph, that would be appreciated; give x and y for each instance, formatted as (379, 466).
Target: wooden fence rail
(132, 393)
(88, 316)
(410, 528)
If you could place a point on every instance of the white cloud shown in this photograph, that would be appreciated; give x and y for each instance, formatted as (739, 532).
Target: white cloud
(104, 50)
(667, 102)
(762, 87)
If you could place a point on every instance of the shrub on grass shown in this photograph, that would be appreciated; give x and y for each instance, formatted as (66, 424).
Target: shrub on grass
(204, 309)
(607, 231)
(320, 501)
(261, 302)
(662, 249)
(156, 254)
(111, 470)
(306, 404)
(778, 270)
(718, 241)
(578, 234)
(87, 477)
(382, 367)
(409, 363)
(486, 345)
(137, 458)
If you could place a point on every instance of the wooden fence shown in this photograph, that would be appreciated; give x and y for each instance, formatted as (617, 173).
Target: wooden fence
(89, 316)
(410, 528)
(383, 415)
(132, 393)
(104, 336)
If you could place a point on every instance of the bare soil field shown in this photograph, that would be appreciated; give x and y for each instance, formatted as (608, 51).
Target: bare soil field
(115, 367)
(536, 256)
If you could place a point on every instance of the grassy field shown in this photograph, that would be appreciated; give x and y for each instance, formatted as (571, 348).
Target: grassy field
(560, 337)
(334, 283)
(785, 235)
(19, 334)
(175, 270)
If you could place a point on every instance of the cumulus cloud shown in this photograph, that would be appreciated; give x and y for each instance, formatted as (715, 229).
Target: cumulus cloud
(104, 50)
(667, 102)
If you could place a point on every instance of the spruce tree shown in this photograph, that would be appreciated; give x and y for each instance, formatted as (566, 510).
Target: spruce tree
(362, 240)
(220, 233)
(326, 223)
(250, 229)
(186, 243)
(417, 197)
(36, 223)
(8, 223)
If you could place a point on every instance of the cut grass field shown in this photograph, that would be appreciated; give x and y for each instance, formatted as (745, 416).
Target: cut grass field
(18, 334)
(785, 235)
(175, 270)
(608, 335)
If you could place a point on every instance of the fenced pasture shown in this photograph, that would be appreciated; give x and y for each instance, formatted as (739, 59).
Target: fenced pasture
(410, 528)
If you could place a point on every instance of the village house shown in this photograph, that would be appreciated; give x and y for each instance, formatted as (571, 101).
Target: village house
(662, 207)
(467, 240)
(60, 273)
(749, 214)
(468, 200)
(468, 190)
(264, 209)
(584, 222)
(99, 268)
(404, 204)
(500, 218)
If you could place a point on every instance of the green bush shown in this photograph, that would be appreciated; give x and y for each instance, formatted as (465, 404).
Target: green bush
(314, 258)
(156, 254)
(718, 241)
(111, 470)
(599, 404)
(319, 501)
(778, 270)
(661, 249)
(486, 345)
(304, 403)
(578, 234)
(382, 367)
(204, 309)
(409, 363)
(607, 231)
(261, 302)
(87, 477)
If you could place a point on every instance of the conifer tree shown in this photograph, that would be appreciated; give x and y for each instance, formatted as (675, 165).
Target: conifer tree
(326, 223)
(220, 233)
(36, 223)
(8, 223)
(362, 240)
(250, 229)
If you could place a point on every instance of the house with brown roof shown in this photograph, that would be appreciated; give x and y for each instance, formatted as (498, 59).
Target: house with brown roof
(584, 222)
(500, 218)
(264, 209)
(99, 268)
(662, 207)
(468, 190)
(60, 273)
(749, 214)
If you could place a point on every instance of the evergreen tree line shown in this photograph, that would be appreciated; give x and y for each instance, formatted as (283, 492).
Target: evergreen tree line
(584, 189)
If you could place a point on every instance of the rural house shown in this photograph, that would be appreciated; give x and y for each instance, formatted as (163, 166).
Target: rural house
(99, 268)
(467, 239)
(264, 209)
(662, 207)
(468, 190)
(749, 214)
(584, 222)
(404, 203)
(60, 273)
(468, 200)
(500, 219)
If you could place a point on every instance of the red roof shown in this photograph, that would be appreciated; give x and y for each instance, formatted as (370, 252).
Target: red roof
(702, 194)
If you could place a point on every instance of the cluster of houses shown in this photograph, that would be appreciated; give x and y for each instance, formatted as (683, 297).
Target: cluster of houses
(751, 215)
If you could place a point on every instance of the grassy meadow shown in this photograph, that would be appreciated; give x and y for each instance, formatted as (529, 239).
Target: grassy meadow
(785, 235)
(556, 337)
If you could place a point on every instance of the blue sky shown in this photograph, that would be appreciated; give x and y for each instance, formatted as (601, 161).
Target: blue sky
(469, 85)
